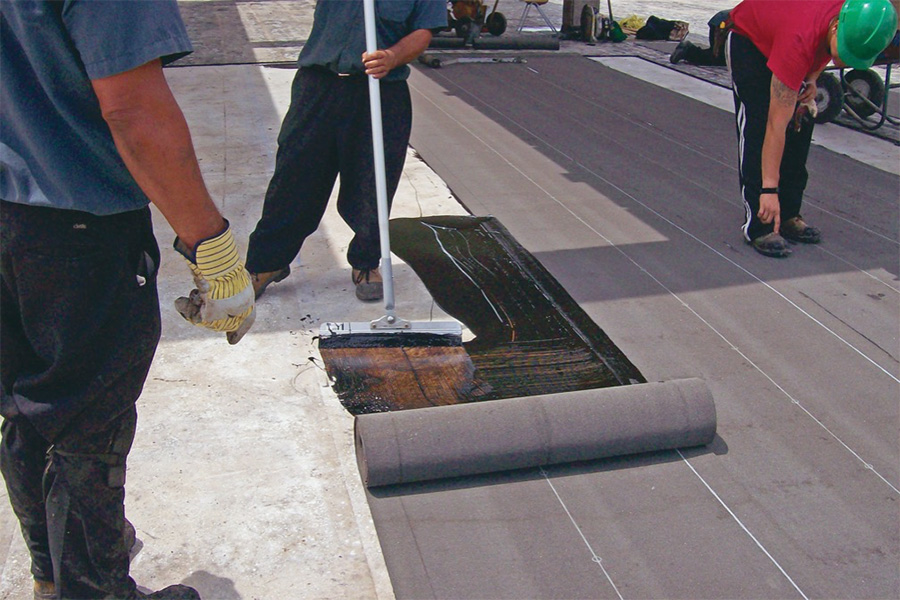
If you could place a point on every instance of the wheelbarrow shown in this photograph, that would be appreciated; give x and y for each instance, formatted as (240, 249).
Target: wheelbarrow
(470, 17)
(861, 93)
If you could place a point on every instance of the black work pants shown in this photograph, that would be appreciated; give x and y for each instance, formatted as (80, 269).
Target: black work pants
(751, 81)
(328, 132)
(704, 57)
(80, 325)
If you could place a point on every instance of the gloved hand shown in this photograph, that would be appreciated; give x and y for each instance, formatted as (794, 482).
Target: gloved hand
(223, 299)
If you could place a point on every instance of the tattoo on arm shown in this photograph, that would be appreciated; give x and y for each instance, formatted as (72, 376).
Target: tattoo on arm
(782, 94)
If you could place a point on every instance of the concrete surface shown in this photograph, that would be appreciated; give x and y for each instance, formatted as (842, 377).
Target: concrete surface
(242, 481)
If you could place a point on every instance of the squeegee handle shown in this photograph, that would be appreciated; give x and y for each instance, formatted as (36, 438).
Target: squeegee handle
(378, 153)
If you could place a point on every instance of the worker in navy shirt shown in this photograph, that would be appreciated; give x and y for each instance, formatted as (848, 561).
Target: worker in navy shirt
(90, 134)
(327, 132)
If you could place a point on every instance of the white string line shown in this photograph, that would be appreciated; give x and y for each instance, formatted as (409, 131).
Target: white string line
(730, 167)
(741, 524)
(675, 141)
(858, 268)
(739, 267)
(594, 556)
(847, 221)
(793, 400)
(709, 325)
(461, 268)
(661, 217)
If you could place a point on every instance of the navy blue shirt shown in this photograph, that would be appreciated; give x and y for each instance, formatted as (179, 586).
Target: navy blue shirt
(338, 37)
(55, 148)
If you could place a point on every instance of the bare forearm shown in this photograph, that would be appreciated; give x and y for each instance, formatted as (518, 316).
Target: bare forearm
(411, 46)
(381, 62)
(782, 102)
(153, 140)
(772, 153)
(781, 108)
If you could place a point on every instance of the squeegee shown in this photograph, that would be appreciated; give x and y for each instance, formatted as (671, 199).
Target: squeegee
(389, 322)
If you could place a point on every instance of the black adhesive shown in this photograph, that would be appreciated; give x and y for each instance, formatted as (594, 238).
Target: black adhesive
(394, 339)
(531, 337)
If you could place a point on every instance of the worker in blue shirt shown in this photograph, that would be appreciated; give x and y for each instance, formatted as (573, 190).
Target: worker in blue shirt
(327, 132)
(90, 134)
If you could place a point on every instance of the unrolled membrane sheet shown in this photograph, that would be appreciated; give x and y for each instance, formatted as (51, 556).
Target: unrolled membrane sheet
(500, 435)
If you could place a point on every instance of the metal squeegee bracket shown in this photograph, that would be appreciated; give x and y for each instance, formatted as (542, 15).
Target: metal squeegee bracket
(385, 325)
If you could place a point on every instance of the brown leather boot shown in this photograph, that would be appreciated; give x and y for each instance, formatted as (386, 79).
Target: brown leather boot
(796, 230)
(771, 244)
(261, 281)
(44, 590)
(369, 284)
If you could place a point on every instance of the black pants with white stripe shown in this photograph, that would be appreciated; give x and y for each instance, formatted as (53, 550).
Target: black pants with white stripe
(751, 81)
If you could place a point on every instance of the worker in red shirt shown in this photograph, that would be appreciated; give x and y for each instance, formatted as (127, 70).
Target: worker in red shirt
(775, 52)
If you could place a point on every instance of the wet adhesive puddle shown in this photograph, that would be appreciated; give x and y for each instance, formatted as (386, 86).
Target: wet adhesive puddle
(531, 337)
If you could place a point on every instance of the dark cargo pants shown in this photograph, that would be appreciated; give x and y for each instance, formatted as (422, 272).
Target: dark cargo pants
(80, 325)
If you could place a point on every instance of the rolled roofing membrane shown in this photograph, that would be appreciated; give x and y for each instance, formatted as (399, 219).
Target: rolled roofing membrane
(500, 435)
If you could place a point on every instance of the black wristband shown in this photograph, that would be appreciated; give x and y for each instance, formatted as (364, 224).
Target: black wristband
(773, 190)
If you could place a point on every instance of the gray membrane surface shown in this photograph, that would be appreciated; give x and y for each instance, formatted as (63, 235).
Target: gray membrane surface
(627, 195)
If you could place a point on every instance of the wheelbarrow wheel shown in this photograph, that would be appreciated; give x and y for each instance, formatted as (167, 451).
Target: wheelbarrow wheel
(496, 23)
(829, 98)
(464, 27)
(863, 83)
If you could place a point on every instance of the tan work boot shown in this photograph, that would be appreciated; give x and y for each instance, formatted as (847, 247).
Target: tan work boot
(261, 281)
(369, 284)
(796, 230)
(44, 590)
(771, 244)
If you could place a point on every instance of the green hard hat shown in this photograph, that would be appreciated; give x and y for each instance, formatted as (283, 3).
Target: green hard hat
(865, 28)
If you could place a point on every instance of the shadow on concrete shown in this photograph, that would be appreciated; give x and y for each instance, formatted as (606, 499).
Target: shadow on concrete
(213, 586)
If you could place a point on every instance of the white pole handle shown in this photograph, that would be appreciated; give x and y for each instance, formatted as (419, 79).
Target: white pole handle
(378, 153)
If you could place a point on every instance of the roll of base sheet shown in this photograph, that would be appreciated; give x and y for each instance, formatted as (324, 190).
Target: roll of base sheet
(501, 435)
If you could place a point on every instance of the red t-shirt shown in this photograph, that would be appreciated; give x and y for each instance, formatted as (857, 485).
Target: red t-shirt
(790, 33)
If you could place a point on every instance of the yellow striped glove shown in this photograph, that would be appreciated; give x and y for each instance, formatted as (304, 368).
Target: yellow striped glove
(223, 300)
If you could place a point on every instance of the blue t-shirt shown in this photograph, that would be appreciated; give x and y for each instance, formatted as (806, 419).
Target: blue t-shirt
(55, 148)
(338, 37)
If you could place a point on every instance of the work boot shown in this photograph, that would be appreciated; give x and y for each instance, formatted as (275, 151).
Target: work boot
(680, 52)
(44, 590)
(771, 244)
(173, 592)
(369, 284)
(796, 230)
(261, 281)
